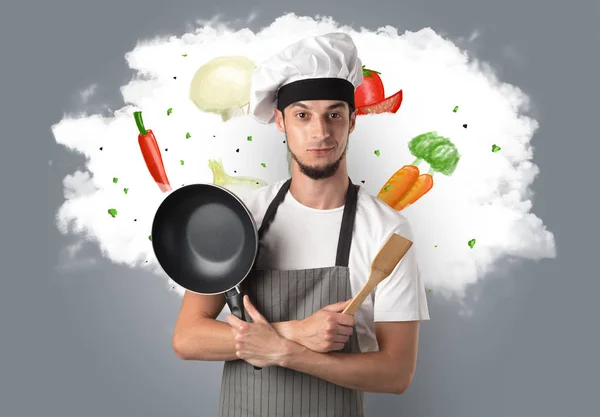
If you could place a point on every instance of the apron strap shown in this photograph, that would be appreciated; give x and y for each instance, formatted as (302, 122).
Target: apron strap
(272, 209)
(345, 239)
(346, 229)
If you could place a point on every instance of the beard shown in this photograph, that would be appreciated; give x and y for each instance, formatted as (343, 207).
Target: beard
(317, 173)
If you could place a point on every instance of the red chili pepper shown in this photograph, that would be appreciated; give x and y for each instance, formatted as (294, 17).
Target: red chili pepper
(151, 154)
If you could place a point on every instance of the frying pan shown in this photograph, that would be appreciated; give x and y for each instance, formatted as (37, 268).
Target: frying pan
(205, 239)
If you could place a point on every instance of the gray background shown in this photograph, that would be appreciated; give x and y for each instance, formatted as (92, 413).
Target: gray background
(96, 341)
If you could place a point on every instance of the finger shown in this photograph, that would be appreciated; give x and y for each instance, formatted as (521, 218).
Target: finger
(344, 319)
(338, 346)
(233, 321)
(344, 330)
(252, 311)
(340, 338)
(337, 307)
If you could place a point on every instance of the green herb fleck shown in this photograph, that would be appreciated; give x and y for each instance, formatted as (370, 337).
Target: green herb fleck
(495, 148)
(472, 243)
(249, 138)
(125, 190)
(187, 135)
(184, 55)
(387, 187)
(112, 212)
(263, 164)
(435, 246)
(150, 238)
(377, 152)
(169, 111)
(181, 162)
(115, 180)
(428, 291)
(455, 109)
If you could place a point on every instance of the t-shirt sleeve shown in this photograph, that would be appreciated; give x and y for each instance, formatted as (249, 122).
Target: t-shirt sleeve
(401, 296)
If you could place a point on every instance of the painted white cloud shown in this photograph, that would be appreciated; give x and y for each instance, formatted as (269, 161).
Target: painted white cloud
(487, 198)
(88, 92)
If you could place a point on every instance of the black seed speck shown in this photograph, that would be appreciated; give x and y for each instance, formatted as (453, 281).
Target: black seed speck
(237, 150)
(235, 172)
(284, 141)
(166, 149)
(146, 261)
(100, 147)
(135, 220)
(465, 126)
(363, 181)
(174, 78)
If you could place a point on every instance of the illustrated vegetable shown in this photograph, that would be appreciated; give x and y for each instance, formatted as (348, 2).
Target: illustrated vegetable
(439, 152)
(151, 154)
(389, 105)
(369, 97)
(407, 185)
(370, 91)
(235, 184)
(222, 86)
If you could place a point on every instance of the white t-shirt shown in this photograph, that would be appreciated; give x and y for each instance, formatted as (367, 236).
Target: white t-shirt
(301, 237)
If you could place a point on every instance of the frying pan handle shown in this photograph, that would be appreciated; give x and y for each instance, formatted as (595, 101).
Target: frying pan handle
(235, 301)
(236, 304)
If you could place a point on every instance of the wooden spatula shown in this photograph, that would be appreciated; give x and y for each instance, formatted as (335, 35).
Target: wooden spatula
(382, 266)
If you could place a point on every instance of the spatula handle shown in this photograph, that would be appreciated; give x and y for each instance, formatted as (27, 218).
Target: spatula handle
(359, 298)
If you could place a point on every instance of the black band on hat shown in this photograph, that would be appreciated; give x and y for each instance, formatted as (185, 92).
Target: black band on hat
(316, 89)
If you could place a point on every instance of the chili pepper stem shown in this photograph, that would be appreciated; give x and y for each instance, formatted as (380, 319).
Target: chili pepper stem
(140, 122)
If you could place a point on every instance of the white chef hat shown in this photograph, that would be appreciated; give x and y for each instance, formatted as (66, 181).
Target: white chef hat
(323, 67)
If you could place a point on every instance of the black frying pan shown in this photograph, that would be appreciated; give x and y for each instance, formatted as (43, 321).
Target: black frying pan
(206, 240)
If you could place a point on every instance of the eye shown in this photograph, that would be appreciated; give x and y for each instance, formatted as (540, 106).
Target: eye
(336, 115)
(301, 113)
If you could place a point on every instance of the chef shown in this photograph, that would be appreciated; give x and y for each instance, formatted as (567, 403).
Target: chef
(319, 233)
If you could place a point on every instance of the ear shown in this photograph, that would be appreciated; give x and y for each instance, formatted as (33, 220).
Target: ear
(279, 120)
(352, 121)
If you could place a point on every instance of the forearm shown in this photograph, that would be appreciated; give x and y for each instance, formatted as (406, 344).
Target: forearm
(212, 340)
(367, 372)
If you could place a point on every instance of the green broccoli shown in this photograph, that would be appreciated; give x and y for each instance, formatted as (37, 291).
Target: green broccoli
(441, 154)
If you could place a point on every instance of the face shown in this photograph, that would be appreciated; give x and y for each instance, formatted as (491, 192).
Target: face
(317, 135)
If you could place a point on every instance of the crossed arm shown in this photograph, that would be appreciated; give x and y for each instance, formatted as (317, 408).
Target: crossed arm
(390, 370)
(199, 336)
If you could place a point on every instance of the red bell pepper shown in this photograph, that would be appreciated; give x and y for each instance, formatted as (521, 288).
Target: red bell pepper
(151, 154)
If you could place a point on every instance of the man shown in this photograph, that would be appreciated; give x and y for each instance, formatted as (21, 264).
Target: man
(319, 234)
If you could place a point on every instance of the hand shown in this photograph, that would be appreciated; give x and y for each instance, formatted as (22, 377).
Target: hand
(327, 329)
(258, 343)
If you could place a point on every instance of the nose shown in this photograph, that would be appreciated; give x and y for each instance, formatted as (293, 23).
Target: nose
(319, 129)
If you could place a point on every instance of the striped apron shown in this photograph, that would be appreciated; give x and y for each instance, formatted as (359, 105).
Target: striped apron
(294, 295)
